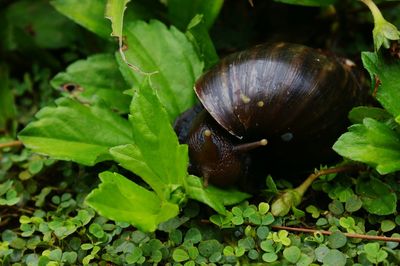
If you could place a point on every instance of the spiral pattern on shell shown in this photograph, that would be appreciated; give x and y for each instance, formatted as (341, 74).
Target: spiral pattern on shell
(283, 90)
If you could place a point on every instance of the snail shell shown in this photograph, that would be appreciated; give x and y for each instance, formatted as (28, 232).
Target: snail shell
(294, 96)
(278, 89)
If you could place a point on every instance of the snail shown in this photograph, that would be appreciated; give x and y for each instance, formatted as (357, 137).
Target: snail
(274, 106)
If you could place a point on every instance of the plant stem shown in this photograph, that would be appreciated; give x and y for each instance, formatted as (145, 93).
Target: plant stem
(324, 232)
(376, 13)
(310, 179)
(14, 143)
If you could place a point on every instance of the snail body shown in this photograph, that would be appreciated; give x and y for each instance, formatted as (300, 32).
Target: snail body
(294, 96)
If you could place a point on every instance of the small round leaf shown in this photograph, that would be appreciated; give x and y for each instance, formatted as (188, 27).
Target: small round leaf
(292, 254)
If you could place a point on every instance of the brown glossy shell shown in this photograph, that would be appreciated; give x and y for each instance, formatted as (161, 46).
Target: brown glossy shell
(281, 90)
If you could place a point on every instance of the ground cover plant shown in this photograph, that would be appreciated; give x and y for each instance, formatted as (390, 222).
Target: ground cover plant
(91, 170)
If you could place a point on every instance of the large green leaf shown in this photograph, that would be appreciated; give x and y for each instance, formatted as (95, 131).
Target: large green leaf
(122, 200)
(156, 155)
(97, 76)
(214, 197)
(77, 132)
(372, 142)
(181, 12)
(7, 106)
(387, 73)
(173, 61)
(88, 13)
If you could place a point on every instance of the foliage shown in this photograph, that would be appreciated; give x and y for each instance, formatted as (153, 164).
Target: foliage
(101, 177)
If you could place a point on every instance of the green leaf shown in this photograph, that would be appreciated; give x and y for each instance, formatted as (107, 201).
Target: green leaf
(292, 254)
(89, 14)
(337, 240)
(387, 225)
(96, 230)
(73, 131)
(122, 200)
(115, 10)
(198, 35)
(357, 114)
(174, 63)
(208, 247)
(373, 143)
(193, 235)
(354, 203)
(96, 77)
(246, 243)
(377, 197)
(7, 106)
(387, 72)
(308, 2)
(181, 12)
(267, 245)
(334, 258)
(180, 255)
(383, 31)
(269, 257)
(374, 253)
(157, 157)
(214, 197)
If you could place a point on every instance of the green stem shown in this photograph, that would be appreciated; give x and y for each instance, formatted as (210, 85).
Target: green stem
(310, 179)
(376, 13)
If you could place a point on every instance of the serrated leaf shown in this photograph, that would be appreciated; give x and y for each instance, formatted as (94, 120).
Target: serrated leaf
(115, 10)
(73, 131)
(181, 12)
(122, 200)
(97, 77)
(308, 2)
(173, 62)
(197, 33)
(89, 14)
(373, 143)
(387, 72)
(214, 197)
(377, 197)
(156, 156)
